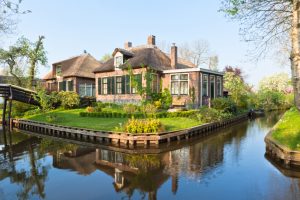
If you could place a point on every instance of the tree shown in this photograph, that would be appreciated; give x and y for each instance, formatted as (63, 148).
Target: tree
(8, 10)
(105, 57)
(235, 70)
(236, 88)
(277, 83)
(267, 22)
(12, 59)
(36, 54)
(197, 52)
(213, 62)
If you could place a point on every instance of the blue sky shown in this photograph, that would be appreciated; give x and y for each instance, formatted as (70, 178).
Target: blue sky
(99, 26)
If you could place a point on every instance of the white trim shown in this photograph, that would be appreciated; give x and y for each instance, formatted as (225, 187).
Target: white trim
(201, 82)
(169, 71)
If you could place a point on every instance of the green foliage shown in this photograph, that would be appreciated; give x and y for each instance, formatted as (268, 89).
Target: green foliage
(274, 100)
(19, 108)
(208, 115)
(224, 104)
(149, 109)
(105, 57)
(143, 126)
(52, 118)
(69, 99)
(166, 98)
(130, 108)
(47, 101)
(238, 90)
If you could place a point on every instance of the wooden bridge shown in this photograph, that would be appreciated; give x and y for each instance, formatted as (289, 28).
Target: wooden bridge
(12, 92)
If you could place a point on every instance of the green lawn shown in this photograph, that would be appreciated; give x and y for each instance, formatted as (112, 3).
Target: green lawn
(72, 118)
(287, 130)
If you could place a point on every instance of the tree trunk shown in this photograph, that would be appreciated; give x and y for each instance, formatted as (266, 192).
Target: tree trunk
(295, 54)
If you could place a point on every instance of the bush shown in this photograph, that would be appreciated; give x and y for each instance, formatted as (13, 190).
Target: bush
(224, 104)
(143, 126)
(130, 108)
(47, 101)
(272, 100)
(208, 115)
(19, 108)
(52, 118)
(69, 99)
(90, 109)
(149, 109)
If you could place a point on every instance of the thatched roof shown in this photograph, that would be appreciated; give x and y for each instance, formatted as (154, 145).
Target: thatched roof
(79, 66)
(148, 55)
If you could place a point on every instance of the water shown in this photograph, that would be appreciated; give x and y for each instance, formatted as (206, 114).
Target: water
(228, 165)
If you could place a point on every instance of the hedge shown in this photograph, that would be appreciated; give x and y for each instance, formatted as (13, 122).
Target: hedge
(190, 113)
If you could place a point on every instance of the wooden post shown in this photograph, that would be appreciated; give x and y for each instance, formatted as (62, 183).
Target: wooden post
(3, 114)
(9, 115)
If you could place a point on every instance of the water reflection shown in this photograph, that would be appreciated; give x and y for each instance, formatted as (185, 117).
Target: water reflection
(27, 163)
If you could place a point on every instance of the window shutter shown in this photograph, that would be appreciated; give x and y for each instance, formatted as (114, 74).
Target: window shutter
(124, 84)
(64, 85)
(127, 84)
(139, 80)
(60, 86)
(108, 85)
(113, 85)
(99, 86)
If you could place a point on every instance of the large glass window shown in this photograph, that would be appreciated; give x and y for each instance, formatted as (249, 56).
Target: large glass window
(219, 86)
(104, 86)
(179, 84)
(86, 90)
(212, 87)
(119, 84)
(205, 85)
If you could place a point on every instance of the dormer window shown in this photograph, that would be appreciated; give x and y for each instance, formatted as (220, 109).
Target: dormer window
(118, 61)
(58, 70)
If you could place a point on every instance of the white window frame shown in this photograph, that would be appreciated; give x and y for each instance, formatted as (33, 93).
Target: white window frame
(179, 81)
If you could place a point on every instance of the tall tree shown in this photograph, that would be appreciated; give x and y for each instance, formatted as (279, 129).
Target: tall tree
(12, 58)
(267, 22)
(36, 56)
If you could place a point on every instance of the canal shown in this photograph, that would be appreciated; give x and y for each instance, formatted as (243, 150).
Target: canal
(230, 164)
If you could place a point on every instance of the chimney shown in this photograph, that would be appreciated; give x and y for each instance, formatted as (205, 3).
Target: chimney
(173, 56)
(151, 40)
(127, 45)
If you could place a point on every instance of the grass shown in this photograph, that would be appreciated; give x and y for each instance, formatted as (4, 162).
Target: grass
(72, 118)
(287, 130)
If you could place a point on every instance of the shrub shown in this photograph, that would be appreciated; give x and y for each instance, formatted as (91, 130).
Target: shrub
(224, 104)
(47, 101)
(130, 108)
(166, 98)
(68, 99)
(143, 126)
(208, 115)
(90, 109)
(149, 109)
(52, 118)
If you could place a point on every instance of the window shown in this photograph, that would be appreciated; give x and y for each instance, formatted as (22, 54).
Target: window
(205, 85)
(138, 83)
(212, 87)
(86, 89)
(119, 84)
(70, 85)
(62, 86)
(219, 89)
(58, 70)
(104, 86)
(118, 61)
(155, 84)
(179, 84)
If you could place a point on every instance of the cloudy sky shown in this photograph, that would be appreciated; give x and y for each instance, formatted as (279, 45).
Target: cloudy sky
(98, 26)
